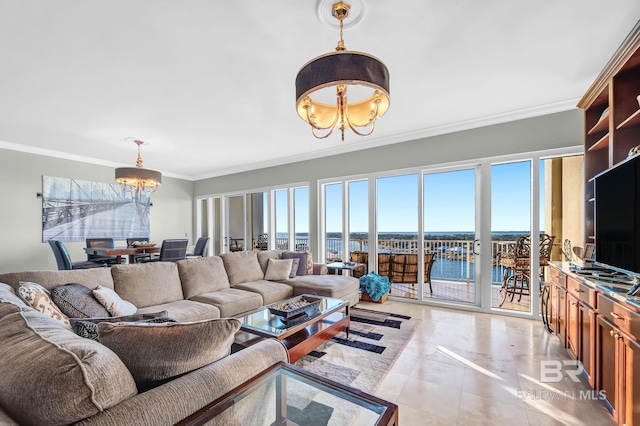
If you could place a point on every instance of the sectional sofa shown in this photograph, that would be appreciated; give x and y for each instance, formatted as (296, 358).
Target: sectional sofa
(50, 375)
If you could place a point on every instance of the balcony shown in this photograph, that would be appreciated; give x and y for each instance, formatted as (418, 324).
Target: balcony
(452, 275)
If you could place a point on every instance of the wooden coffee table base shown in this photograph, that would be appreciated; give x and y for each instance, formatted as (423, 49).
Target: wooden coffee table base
(307, 339)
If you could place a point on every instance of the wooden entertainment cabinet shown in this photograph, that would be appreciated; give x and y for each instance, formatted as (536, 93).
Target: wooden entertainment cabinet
(612, 118)
(598, 326)
(601, 329)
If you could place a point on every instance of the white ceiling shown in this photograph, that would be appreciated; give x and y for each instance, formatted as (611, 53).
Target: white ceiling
(210, 84)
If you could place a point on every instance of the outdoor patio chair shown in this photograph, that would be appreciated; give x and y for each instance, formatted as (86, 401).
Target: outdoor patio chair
(236, 244)
(63, 258)
(262, 243)
(404, 268)
(517, 264)
(384, 264)
(360, 257)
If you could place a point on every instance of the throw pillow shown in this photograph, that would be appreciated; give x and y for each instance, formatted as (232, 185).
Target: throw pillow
(88, 327)
(306, 264)
(294, 267)
(114, 303)
(39, 298)
(77, 301)
(156, 353)
(278, 269)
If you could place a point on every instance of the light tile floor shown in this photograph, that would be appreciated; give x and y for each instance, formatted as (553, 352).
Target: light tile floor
(465, 368)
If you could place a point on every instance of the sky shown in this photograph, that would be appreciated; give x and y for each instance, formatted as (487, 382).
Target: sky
(449, 201)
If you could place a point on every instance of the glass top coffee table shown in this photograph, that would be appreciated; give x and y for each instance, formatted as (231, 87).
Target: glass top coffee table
(300, 335)
(287, 395)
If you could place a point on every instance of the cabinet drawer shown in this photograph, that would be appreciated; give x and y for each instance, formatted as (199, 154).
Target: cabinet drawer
(625, 319)
(558, 277)
(581, 291)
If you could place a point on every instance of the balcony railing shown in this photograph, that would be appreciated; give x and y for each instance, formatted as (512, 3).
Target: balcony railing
(455, 258)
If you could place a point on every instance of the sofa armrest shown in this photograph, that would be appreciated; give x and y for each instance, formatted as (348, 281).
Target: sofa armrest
(175, 400)
(320, 269)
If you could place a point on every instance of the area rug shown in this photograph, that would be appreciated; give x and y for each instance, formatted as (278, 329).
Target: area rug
(362, 360)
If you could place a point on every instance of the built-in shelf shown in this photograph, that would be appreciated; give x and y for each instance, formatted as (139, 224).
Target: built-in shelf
(603, 142)
(601, 126)
(633, 120)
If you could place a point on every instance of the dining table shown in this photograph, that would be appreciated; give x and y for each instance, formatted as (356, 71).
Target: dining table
(119, 252)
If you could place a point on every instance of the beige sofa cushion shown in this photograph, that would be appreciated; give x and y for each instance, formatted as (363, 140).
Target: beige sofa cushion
(336, 286)
(49, 374)
(184, 310)
(202, 275)
(231, 301)
(91, 278)
(147, 284)
(242, 267)
(155, 353)
(269, 290)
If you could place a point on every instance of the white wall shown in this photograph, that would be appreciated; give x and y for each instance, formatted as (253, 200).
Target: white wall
(21, 246)
(551, 131)
(172, 215)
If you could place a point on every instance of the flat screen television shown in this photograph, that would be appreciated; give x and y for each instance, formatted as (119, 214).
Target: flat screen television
(617, 217)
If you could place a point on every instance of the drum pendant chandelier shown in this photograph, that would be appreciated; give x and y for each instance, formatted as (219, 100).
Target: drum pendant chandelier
(138, 179)
(343, 70)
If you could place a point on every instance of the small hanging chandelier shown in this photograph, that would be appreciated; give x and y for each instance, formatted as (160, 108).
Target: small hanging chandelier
(136, 179)
(362, 73)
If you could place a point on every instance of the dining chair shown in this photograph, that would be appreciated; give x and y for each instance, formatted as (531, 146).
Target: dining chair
(63, 258)
(142, 257)
(101, 243)
(172, 250)
(200, 250)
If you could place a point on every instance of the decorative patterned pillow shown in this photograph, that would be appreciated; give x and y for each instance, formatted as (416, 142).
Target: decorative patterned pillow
(295, 263)
(278, 269)
(88, 327)
(39, 298)
(77, 301)
(156, 353)
(306, 263)
(114, 303)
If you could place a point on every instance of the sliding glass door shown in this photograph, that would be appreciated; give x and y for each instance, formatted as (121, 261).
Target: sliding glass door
(397, 233)
(449, 217)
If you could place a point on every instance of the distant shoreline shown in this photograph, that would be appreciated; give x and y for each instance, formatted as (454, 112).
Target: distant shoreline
(453, 235)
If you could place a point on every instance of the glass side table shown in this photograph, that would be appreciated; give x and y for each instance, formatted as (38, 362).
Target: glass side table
(288, 395)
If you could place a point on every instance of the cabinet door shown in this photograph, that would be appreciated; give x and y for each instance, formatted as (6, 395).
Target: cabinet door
(561, 309)
(573, 326)
(553, 308)
(630, 407)
(587, 343)
(606, 362)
